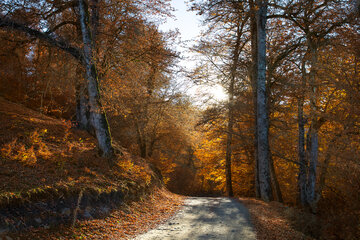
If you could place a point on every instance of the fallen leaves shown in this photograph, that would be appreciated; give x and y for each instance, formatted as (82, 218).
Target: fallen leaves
(271, 221)
(129, 220)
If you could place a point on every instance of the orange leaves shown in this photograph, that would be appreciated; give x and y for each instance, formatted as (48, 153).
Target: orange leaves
(133, 171)
(27, 149)
(273, 221)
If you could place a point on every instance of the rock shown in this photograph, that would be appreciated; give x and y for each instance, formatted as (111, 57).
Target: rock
(104, 210)
(86, 213)
(4, 230)
(38, 220)
(66, 212)
(41, 205)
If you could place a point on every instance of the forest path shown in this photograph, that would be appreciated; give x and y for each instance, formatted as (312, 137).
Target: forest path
(206, 218)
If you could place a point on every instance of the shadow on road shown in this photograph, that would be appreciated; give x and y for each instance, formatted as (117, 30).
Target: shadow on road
(206, 218)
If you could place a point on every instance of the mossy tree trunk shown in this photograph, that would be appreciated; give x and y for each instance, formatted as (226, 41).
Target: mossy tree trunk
(97, 114)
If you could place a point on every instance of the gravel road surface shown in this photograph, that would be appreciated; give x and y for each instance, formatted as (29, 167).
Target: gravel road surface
(206, 218)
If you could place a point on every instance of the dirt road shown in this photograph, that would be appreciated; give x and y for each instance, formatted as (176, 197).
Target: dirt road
(206, 218)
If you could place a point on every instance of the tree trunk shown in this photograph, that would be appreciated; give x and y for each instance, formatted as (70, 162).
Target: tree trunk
(143, 152)
(97, 115)
(231, 90)
(301, 142)
(262, 113)
(313, 157)
(229, 189)
(324, 171)
(82, 102)
(274, 181)
(141, 138)
(356, 7)
(145, 142)
(253, 78)
(94, 6)
(151, 147)
(312, 150)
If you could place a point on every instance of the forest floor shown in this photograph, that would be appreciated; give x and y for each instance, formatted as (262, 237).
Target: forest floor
(275, 221)
(43, 159)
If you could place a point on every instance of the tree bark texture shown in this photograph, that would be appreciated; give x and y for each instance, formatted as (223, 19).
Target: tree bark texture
(97, 115)
(82, 102)
(274, 181)
(262, 113)
(312, 144)
(253, 77)
(301, 142)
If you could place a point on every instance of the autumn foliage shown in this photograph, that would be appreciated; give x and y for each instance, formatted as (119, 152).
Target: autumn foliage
(158, 133)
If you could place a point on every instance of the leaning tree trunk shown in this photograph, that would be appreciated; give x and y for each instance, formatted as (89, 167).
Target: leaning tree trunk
(262, 113)
(274, 181)
(97, 115)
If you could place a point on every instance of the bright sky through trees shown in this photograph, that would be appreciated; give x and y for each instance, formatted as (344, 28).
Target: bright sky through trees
(189, 27)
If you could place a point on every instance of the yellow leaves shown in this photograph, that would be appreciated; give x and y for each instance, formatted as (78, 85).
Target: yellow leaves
(26, 156)
(134, 171)
(18, 151)
(27, 149)
(126, 165)
(6, 150)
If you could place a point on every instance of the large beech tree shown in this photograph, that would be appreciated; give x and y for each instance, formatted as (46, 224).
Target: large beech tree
(262, 111)
(91, 31)
(97, 115)
(85, 56)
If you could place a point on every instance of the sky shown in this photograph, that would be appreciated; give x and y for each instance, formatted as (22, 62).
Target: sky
(187, 22)
(189, 26)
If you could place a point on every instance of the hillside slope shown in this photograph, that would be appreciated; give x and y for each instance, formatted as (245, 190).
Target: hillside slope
(40, 153)
(52, 173)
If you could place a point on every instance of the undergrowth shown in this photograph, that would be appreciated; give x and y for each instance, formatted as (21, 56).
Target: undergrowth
(42, 157)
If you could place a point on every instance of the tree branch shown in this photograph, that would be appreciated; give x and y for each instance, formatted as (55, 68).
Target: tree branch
(60, 25)
(61, 44)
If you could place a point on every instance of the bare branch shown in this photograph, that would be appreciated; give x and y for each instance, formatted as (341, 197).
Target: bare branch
(10, 24)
